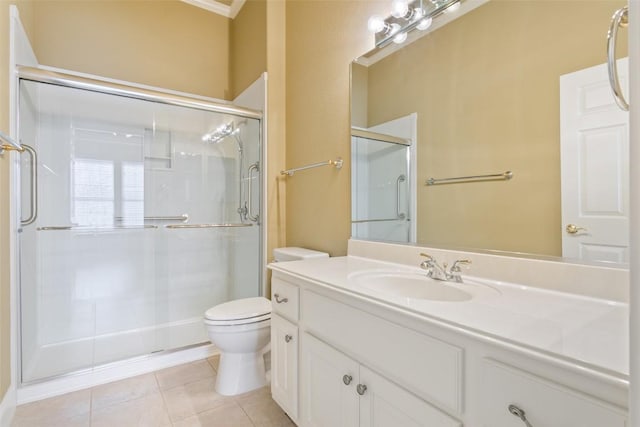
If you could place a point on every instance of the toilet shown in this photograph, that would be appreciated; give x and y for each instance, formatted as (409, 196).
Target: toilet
(241, 329)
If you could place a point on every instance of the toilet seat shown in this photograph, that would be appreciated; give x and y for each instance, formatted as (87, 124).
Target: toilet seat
(239, 312)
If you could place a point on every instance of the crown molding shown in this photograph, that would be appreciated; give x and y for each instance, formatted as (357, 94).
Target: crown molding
(217, 7)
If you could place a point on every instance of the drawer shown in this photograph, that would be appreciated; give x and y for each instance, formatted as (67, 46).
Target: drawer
(425, 366)
(545, 403)
(285, 299)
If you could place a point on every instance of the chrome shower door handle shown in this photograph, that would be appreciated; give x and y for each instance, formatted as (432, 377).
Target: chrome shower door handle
(620, 19)
(400, 180)
(249, 209)
(33, 214)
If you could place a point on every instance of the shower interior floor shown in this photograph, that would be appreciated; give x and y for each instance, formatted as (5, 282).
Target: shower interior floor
(183, 395)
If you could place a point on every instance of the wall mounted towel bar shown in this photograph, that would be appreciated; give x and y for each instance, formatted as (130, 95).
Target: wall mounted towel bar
(360, 221)
(7, 143)
(337, 163)
(473, 178)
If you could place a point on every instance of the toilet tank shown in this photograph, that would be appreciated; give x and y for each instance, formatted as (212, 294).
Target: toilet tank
(294, 254)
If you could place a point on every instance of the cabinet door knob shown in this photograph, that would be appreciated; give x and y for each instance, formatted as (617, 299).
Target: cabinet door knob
(346, 379)
(361, 389)
(288, 338)
(514, 410)
(280, 300)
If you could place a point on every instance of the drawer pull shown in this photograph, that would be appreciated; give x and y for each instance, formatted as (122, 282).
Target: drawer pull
(280, 300)
(288, 338)
(514, 410)
(361, 389)
(347, 379)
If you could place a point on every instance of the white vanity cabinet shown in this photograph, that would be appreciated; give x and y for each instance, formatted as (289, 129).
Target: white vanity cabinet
(284, 364)
(542, 402)
(337, 391)
(352, 361)
(284, 346)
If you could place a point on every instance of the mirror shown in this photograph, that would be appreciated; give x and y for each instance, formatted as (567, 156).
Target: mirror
(518, 86)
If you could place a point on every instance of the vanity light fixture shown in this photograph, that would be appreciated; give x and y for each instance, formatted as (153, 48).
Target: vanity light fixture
(407, 15)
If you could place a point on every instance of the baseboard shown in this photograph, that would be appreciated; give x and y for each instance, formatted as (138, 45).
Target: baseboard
(8, 407)
(112, 372)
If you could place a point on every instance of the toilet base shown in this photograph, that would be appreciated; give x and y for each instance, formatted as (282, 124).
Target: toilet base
(240, 373)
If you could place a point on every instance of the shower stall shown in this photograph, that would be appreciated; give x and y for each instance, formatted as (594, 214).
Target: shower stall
(139, 209)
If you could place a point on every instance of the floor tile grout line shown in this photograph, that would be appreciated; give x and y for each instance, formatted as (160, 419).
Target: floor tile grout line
(245, 413)
(164, 400)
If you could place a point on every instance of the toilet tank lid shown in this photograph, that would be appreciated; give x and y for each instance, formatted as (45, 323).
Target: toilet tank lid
(240, 309)
(294, 253)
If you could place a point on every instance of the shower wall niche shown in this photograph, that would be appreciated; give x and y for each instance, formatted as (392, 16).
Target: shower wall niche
(140, 226)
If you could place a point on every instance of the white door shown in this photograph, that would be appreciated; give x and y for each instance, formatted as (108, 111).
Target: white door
(384, 404)
(595, 166)
(284, 364)
(328, 381)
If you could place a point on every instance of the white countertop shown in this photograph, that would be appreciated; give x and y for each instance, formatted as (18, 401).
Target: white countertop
(590, 332)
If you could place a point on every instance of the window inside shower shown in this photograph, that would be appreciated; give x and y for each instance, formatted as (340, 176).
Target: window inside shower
(146, 218)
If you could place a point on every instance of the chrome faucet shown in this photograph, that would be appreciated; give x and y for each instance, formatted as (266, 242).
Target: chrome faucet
(438, 272)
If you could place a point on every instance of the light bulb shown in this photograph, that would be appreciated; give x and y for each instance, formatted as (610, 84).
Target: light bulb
(399, 8)
(418, 13)
(424, 24)
(455, 6)
(376, 24)
(400, 38)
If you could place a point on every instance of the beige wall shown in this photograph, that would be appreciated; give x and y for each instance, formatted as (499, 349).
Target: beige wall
(509, 121)
(248, 46)
(359, 95)
(323, 37)
(25, 8)
(276, 129)
(169, 44)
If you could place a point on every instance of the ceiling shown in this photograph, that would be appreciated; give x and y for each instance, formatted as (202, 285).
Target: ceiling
(228, 8)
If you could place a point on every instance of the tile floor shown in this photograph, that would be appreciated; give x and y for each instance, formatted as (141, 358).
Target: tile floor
(181, 396)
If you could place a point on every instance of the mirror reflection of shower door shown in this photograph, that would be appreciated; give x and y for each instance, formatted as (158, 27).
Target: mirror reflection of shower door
(138, 231)
(380, 190)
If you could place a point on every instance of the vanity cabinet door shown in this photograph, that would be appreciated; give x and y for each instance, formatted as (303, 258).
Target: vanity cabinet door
(328, 381)
(384, 404)
(284, 364)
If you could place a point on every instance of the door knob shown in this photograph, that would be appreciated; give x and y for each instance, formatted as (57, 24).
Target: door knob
(361, 389)
(288, 338)
(573, 229)
(346, 379)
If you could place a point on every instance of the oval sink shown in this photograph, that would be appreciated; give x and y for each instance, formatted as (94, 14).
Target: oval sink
(419, 286)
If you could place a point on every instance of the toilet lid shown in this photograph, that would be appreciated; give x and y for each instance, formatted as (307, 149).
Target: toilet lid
(246, 308)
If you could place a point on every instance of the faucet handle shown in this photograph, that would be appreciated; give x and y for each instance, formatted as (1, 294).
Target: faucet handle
(456, 265)
(427, 256)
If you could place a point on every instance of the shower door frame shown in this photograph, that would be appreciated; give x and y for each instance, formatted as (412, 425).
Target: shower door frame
(142, 93)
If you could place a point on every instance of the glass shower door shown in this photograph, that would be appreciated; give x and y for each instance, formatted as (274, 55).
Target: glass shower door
(140, 228)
